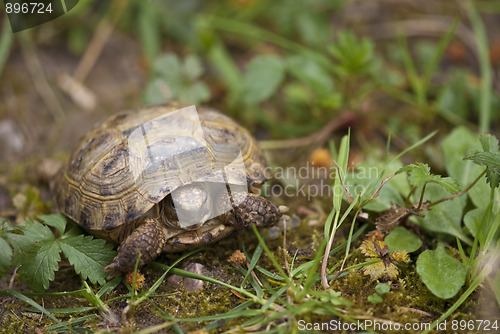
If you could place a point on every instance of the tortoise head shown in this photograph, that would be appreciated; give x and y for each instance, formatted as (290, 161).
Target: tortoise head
(257, 175)
(187, 207)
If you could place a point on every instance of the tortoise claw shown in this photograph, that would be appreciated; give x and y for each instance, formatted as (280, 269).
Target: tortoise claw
(113, 270)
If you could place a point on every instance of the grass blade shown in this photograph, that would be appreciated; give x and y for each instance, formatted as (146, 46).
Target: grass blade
(484, 65)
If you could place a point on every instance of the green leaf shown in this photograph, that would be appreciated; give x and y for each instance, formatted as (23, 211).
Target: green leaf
(5, 225)
(456, 145)
(382, 288)
(489, 143)
(58, 221)
(452, 100)
(33, 234)
(168, 66)
(37, 232)
(342, 160)
(401, 238)
(89, 256)
(5, 248)
(441, 273)
(367, 179)
(196, 93)
(445, 217)
(489, 158)
(41, 270)
(38, 251)
(192, 67)
(476, 219)
(354, 56)
(312, 74)
(420, 174)
(375, 299)
(262, 78)
(157, 91)
(447, 183)
(173, 78)
(73, 231)
(5, 257)
(492, 163)
(313, 28)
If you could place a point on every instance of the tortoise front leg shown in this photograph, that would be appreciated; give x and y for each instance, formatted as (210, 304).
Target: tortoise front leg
(147, 240)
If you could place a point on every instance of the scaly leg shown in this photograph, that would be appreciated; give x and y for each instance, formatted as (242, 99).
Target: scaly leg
(147, 240)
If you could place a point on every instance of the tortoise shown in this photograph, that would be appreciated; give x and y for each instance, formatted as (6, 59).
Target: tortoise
(168, 178)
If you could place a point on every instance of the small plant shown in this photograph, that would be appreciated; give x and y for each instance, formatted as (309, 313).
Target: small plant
(176, 79)
(441, 273)
(400, 238)
(385, 268)
(353, 56)
(36, 249)
(380, 290)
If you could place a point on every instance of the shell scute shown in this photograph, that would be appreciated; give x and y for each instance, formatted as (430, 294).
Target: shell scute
(133, 160)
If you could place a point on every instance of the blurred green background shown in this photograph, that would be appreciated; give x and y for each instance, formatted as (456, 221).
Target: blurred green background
(283, 68)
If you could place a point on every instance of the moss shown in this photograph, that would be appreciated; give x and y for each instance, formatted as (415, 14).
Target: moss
(409, 300)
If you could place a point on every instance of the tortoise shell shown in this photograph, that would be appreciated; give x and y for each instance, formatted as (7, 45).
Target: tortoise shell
(133, 160)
